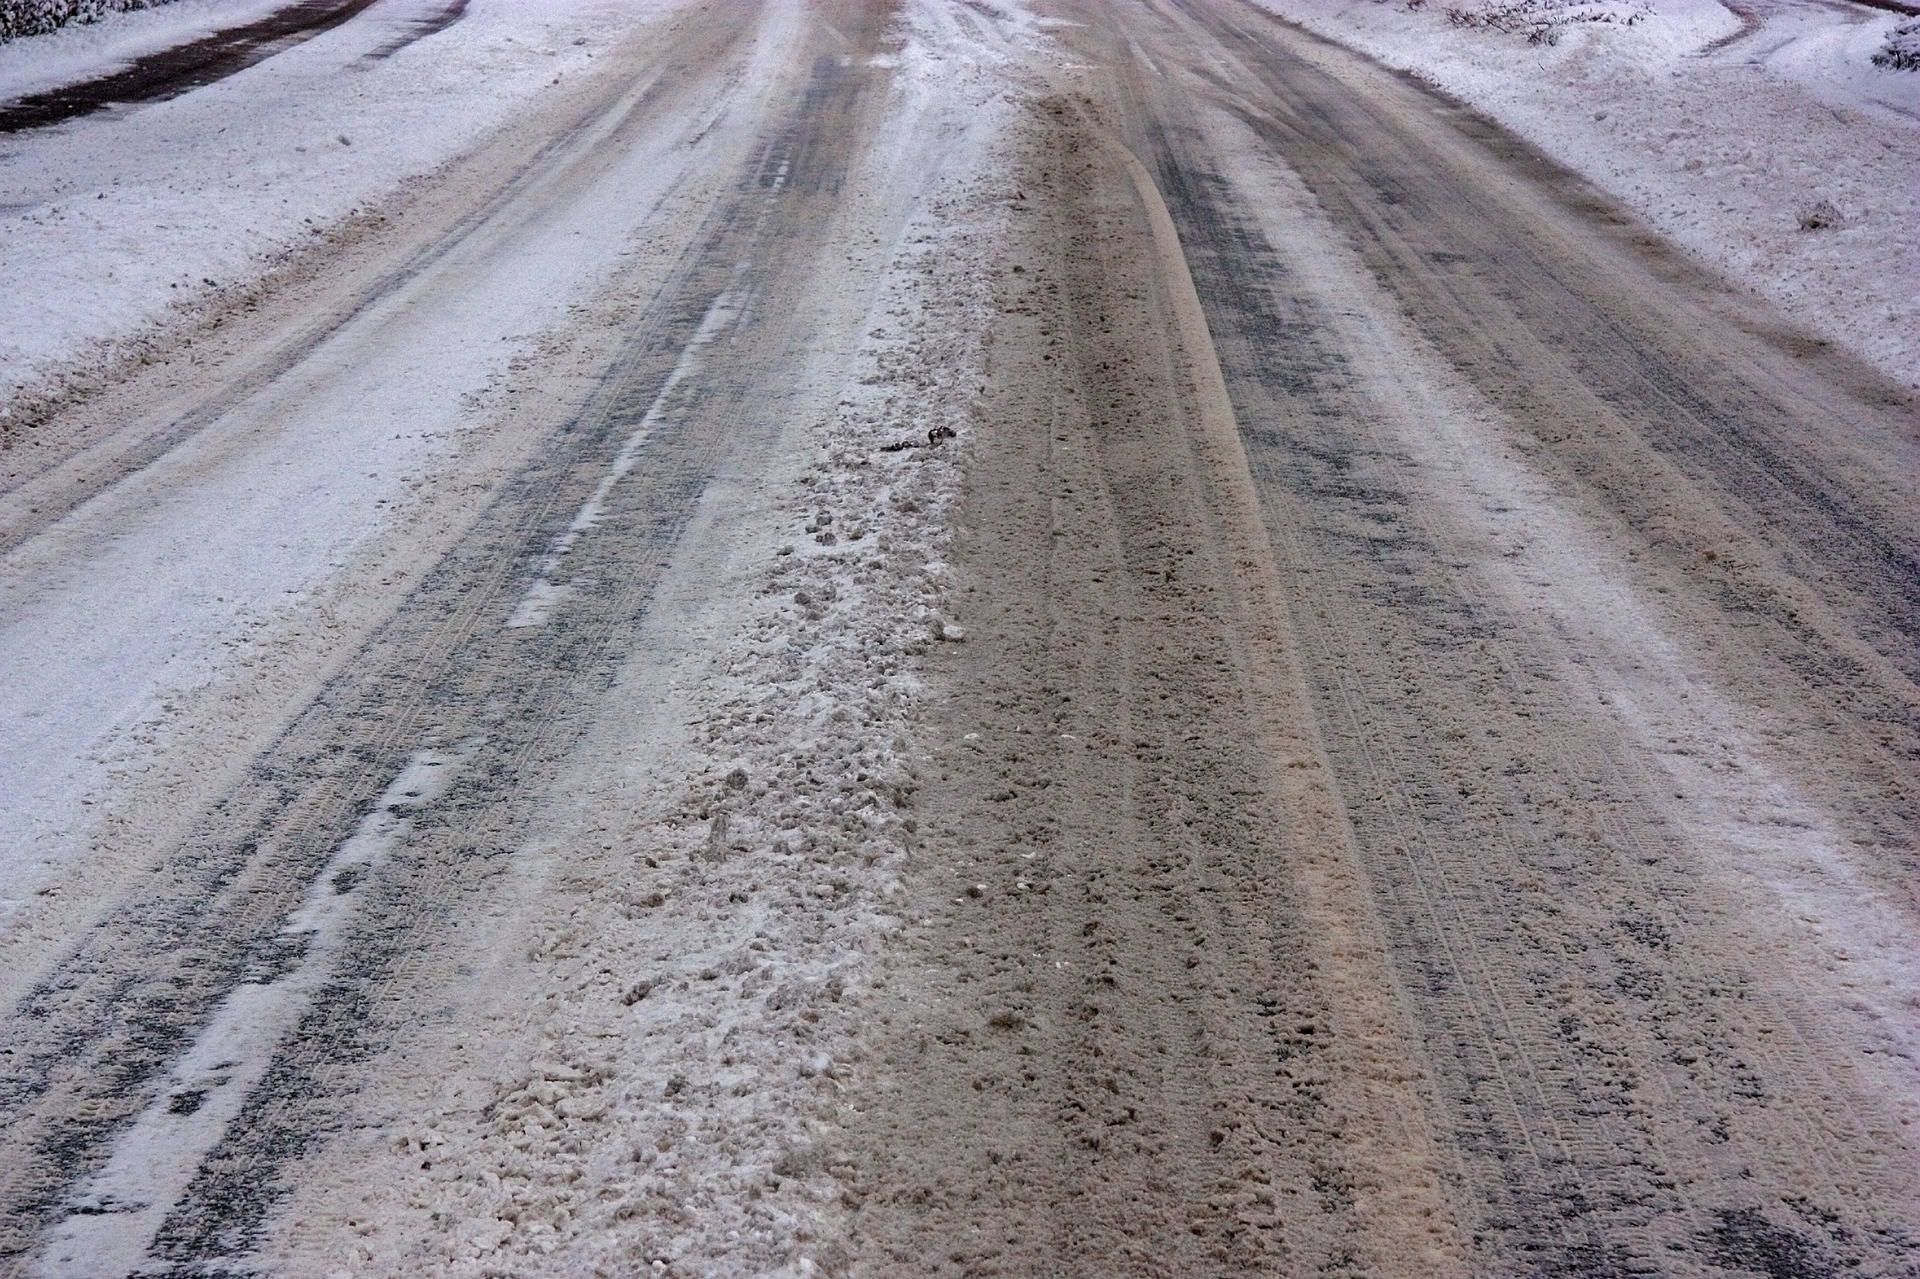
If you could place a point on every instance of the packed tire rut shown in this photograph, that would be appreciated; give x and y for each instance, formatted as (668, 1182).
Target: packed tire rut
(1623, 1085)
(259, 963)
(1156, 1030)
(1358, 719)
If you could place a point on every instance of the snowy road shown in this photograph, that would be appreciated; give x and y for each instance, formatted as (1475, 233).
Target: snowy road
(184, 67)
(935, 638)
(1577, 555)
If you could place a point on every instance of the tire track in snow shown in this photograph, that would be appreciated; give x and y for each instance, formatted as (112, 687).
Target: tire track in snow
(420, 28)
(119, 1209)
(1625, 1086)
(90, 1048)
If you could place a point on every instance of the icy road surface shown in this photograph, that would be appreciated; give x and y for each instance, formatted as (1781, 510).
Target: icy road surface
(833, 637)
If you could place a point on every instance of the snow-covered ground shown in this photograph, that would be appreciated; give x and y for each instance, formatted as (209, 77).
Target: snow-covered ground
(117, 225)
(1722, 132)
(88, 50)
(787, 642)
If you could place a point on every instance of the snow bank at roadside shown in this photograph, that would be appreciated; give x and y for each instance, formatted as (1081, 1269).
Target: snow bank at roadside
(1541, 21)
(109, 41)
(1723, 136)
(117, 225)
(36, 17)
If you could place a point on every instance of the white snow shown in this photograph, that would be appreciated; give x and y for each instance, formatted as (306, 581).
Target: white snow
(115, 224)
(1719, 146)
(209, 567)
(89, 50)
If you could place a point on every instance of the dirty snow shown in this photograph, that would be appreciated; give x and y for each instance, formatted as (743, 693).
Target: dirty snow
(689, 963)
(694, 948)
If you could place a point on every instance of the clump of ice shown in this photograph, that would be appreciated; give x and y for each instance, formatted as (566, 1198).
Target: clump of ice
(1820, 216)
